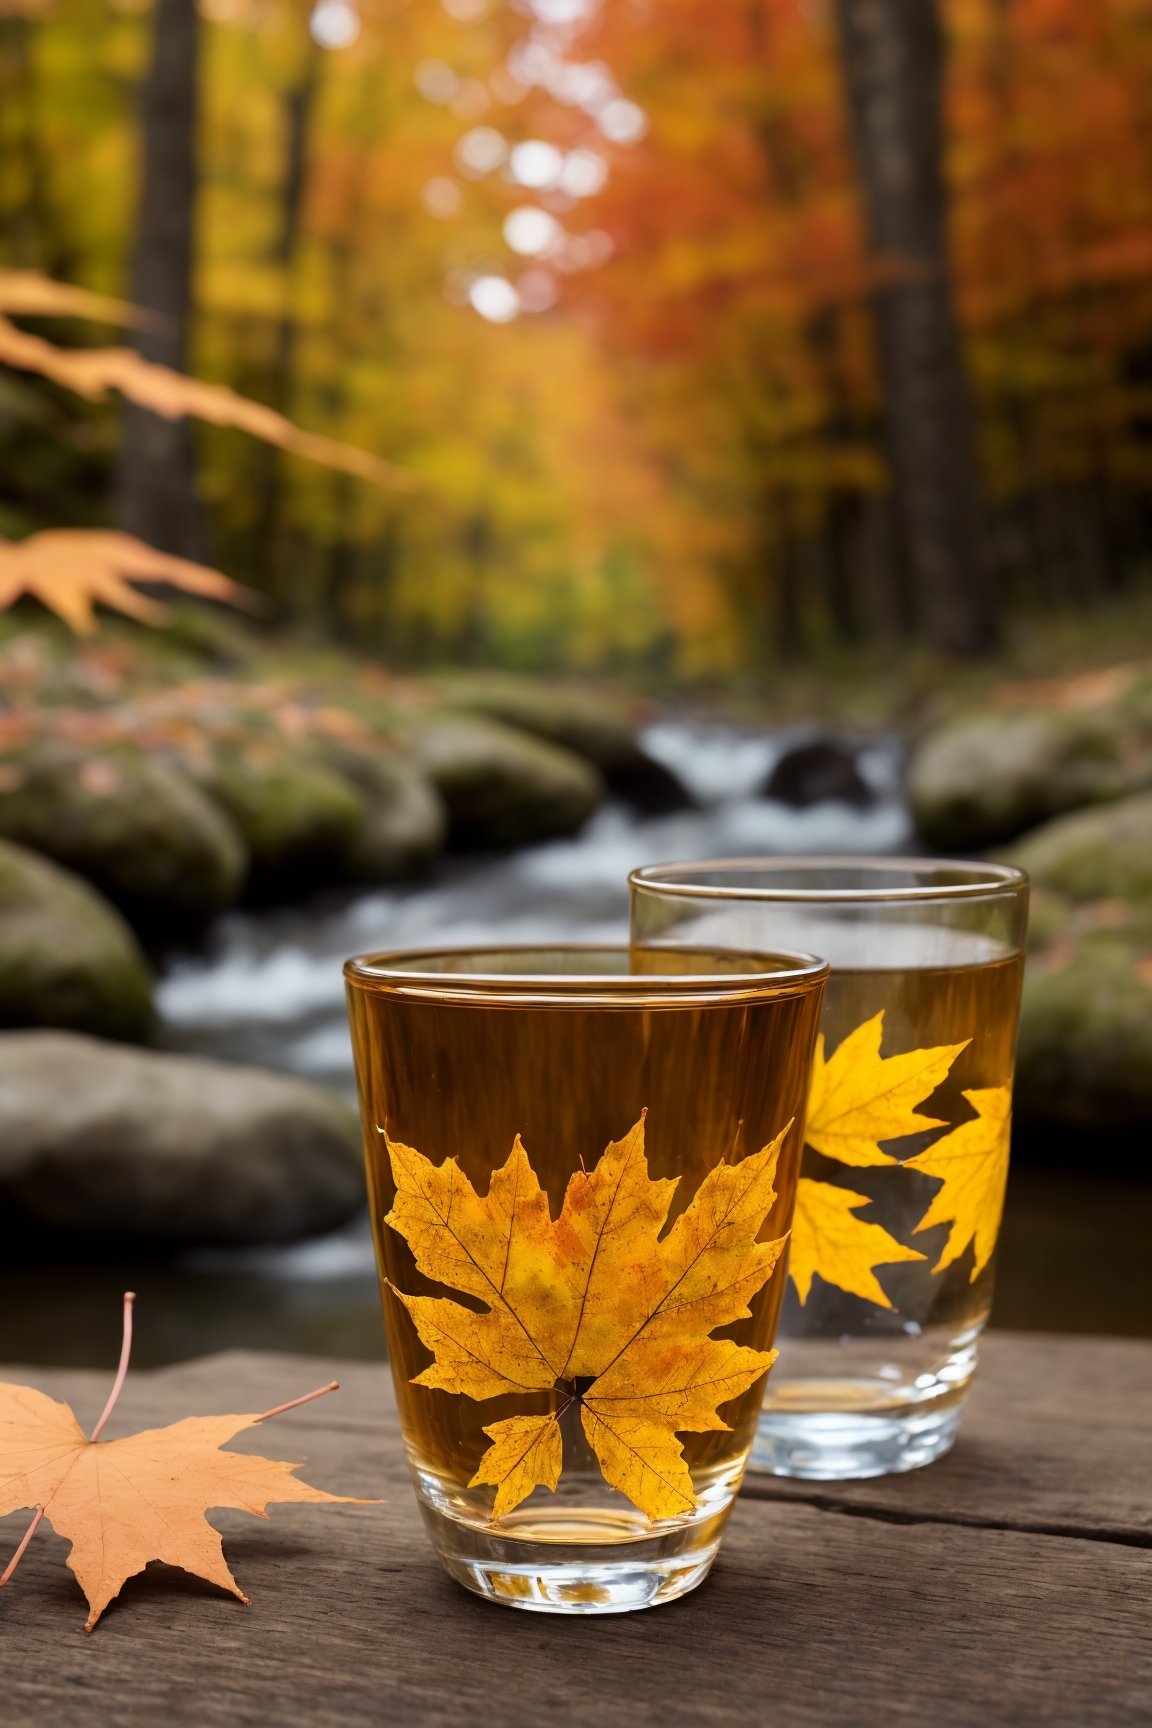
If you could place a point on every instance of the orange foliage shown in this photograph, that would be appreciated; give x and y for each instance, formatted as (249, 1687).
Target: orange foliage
(71, 570)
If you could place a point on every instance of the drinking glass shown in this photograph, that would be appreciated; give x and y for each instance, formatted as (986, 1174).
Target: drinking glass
(581, 1163)
(893, 1247)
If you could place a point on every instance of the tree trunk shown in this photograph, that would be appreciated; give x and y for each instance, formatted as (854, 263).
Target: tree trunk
(299, 106)
(156, 483)
(892, 52)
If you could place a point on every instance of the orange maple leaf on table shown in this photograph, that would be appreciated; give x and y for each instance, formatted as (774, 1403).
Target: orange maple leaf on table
(857, 1100)
(122, 1503)
(596, 1308)
(71, 570)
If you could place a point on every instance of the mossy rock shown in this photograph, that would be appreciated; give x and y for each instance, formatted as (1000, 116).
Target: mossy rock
(985, 778)
(404, 823)
(599, 725)
(1085, 1051)
(134, 825)
(1100, 854)
(67, 959)
(298, 819)
(501, 786)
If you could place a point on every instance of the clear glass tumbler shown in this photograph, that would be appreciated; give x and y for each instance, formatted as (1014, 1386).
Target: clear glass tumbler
(893, 1247)
(581, 1165)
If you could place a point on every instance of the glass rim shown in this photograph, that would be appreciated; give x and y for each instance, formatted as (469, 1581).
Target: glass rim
(800, 973)
(674, 879)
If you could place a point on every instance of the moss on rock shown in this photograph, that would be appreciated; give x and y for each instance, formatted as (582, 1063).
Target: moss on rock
(501, 786)
(67, 959)
(297, 818)
(134, 825)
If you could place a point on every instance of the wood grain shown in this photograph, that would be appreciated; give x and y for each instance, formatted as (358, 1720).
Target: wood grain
(816, 1615)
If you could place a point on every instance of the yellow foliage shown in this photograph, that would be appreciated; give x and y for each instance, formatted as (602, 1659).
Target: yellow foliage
(972, 1163)
(596, 1295)
(827, 1237)
(859, 1098)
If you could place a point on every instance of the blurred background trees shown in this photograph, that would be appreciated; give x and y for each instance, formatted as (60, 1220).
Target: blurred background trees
(719, 337)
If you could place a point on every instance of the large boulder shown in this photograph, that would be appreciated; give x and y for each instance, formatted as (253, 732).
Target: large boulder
(1100, 854)
(404, 822)
(502, 787)
(66, 958)
(298, 819)
(1085, 1052)
(132, 824)
(985, 778)
(110, 1144)
(597, 724)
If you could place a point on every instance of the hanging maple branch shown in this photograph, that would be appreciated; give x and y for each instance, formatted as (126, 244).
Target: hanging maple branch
(149, 1500)
(70, 570)
(92, 372)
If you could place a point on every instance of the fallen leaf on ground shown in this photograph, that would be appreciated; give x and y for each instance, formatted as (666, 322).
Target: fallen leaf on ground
(594, 1308)
(828, 1238)
(122, 1503)
(972, 1163)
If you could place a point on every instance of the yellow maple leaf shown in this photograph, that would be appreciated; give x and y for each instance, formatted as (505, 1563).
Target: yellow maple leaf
(858, 1098)
(972, 1163)
(596, 1308)
(827, 1237)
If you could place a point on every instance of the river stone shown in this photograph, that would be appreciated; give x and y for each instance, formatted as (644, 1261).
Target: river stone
(404, 822)
(985, 778)
(1100, 854)
(503, 787)
(133, 825)
(106, 1143)
(599, 725)
(298, 819)
(66, 958)
(818, 771)
(1085, 1054)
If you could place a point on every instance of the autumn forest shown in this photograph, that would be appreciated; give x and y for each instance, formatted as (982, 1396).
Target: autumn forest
(679, 337)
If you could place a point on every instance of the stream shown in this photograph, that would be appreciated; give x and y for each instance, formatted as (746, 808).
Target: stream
(266, 988)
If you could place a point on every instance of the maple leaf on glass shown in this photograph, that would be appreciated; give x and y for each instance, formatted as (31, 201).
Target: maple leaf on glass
(972, 1164)
(596, 1307)
(856, 1100)
(827, 1237)
(859, 1098)
(71, 570)
(123, 1503)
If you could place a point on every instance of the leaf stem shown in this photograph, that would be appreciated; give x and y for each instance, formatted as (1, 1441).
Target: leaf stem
(19, 1554)
(122, 1371)
(294, 1403)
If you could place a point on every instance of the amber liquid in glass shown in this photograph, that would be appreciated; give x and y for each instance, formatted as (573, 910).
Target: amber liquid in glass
(838, 1351)
(460, 1080)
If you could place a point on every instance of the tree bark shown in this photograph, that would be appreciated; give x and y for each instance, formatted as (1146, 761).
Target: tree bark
(892, 54)
(156, 476)
(299, 107)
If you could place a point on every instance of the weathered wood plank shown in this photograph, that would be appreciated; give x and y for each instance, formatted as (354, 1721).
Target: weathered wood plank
(1057, 1438)
(812, 1618)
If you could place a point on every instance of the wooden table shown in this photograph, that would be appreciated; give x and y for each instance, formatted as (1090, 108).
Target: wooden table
(1006, 1585)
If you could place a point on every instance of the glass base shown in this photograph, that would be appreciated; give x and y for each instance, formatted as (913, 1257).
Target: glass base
(825, 1446)
(539, 1570)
